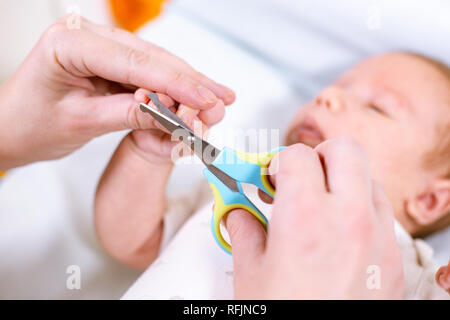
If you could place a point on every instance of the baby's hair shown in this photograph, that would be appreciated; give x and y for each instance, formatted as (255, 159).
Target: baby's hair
(439, 156)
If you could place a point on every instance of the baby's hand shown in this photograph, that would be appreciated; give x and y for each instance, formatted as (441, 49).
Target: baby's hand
(156, 144)
(443, 277)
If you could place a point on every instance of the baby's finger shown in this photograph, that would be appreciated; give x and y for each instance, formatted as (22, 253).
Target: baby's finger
(141, 95)
(213, 115)
(443, 277)
(187, 115)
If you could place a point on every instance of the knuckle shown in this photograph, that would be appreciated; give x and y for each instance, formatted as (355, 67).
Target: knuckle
(178, 81)
(132, 118)
(178, 77)
(196, 74)
(55, 32)
(138, 58)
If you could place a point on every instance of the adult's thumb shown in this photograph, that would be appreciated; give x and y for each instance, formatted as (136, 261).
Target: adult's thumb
(247, 236)
(117, 112)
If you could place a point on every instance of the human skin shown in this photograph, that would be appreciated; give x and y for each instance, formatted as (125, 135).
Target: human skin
(127, 226)
(311, 252)
(77, 84)
(443, 277)
(249, 237)
(392, 105)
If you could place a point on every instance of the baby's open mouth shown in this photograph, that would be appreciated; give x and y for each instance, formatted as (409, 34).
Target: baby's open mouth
(307, 132)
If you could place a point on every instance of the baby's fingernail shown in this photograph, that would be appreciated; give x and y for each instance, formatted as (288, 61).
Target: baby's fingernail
(206, 95)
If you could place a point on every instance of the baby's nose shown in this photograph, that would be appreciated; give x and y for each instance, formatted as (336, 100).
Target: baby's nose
(330, 98)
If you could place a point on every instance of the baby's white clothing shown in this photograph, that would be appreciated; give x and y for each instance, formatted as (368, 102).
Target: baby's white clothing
(192, 266)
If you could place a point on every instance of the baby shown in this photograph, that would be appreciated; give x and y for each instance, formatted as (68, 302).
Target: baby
(396, 105)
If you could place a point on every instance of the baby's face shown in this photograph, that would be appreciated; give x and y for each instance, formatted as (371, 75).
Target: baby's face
(392, 104)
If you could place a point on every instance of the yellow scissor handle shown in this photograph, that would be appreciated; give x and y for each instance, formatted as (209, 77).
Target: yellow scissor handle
(249, 168)
(221, 209)
(263, 160)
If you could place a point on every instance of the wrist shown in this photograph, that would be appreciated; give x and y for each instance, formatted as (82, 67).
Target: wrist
(146, 163)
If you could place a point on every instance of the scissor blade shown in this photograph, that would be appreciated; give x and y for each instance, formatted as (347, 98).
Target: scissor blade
(222, 176)
(165, 121)
(203, 149)
(166, 111)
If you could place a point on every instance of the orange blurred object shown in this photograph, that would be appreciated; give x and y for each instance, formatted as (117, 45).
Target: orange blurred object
(132, 14)
(2, 173)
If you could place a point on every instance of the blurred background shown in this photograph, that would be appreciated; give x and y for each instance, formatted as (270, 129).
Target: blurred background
(275, 54)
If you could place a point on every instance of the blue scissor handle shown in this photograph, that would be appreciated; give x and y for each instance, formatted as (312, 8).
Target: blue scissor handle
(244, 168)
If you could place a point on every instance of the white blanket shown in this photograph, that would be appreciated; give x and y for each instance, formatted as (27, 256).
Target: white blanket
(46, 220)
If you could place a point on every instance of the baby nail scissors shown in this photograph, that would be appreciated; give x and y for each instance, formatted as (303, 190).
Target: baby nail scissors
(234, 177)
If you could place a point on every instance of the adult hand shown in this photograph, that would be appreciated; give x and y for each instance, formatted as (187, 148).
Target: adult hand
(331, 235)
(76, 84)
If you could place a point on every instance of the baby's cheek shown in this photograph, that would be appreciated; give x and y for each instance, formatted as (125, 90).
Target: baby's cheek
(301, 113)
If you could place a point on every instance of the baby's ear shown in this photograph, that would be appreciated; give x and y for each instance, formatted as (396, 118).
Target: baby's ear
(432, 204)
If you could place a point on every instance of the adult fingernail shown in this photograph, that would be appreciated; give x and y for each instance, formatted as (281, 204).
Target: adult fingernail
(206, 95)
(230, 96)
